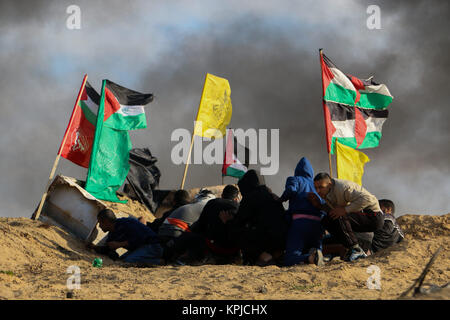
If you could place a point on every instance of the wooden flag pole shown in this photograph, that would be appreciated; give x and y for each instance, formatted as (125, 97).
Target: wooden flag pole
(188, 160)
(55, 164)
(192, 139)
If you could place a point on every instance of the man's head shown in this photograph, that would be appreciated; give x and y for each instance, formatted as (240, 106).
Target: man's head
(203, 194)
(230, 192)
(322, 183)
(180, 198)
(387, 206)
(106, 219)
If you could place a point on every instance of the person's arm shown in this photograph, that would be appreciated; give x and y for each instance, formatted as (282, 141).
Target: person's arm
(99, 249)
(113, 245)
(290, 189)
(318, 202)
(105, 250)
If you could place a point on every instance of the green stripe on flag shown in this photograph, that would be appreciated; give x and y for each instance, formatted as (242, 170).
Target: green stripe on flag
(232, 172)
(370, 100)
(371, 140)
(339, 94)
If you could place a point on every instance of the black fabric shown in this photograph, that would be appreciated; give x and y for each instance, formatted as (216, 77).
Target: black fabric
(342, 112)
(211, 226)
(127, 96)
(144, 178)
(249, 181)
(364, 240)
(342, 228)
(155, 224)
(191, 243)
(259, 224)
(93, 95)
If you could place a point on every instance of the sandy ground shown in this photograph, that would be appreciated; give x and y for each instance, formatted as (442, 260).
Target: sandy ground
(34, 258)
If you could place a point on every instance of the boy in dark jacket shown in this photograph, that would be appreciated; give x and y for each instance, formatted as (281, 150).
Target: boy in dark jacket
(305, 231)
(390, 233)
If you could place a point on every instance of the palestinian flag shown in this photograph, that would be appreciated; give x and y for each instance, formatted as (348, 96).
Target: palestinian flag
(120, 109)
(354, 109)
(232, 166)
(124, 108)
(81, 129)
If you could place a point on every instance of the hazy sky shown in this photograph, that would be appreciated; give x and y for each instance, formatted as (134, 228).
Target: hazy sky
(269, 53)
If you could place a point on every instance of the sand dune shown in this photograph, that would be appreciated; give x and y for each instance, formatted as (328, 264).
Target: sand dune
(34, 258)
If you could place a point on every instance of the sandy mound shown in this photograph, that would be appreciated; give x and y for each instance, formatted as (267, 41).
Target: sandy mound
(34, 258)
(132, 207)
(425, 227)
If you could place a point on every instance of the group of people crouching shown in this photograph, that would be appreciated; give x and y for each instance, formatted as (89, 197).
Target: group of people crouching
(326, 218)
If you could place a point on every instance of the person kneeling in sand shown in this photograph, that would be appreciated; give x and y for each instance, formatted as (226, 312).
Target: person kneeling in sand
(140, 241)
(209, 238)
(305, 230)
(391, 233)
(350, 207)
(259, 228)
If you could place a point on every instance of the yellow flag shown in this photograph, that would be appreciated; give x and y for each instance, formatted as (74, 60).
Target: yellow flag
(214, 112)
(350, 163)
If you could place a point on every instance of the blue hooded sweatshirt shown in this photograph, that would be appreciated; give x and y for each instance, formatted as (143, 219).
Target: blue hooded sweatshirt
(298, 187)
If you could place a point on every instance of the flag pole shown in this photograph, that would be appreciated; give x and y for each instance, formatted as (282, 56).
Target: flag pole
(187, 161)
(55, 164)
(192, 139)
(326, 128)
(329, 163)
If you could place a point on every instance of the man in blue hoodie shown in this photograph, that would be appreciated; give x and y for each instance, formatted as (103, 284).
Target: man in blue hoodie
(305, 231)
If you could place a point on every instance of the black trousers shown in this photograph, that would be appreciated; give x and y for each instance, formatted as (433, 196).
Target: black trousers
(342, 228)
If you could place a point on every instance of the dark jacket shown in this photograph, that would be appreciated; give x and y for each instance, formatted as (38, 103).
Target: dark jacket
(133, 231)
(210, 226)
(298, 187)
(259, 222)
(388, 235)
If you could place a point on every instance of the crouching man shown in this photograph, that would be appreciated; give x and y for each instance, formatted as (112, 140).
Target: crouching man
(140, 241)
(350, 208)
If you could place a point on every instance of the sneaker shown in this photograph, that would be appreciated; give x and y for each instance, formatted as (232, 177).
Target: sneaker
(356, 253)
(318, 259)
(318, 256)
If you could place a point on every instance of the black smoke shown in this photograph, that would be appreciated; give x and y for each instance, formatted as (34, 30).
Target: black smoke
(272, 65)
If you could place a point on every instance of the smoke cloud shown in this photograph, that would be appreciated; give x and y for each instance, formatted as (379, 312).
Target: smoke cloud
(269, 54)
